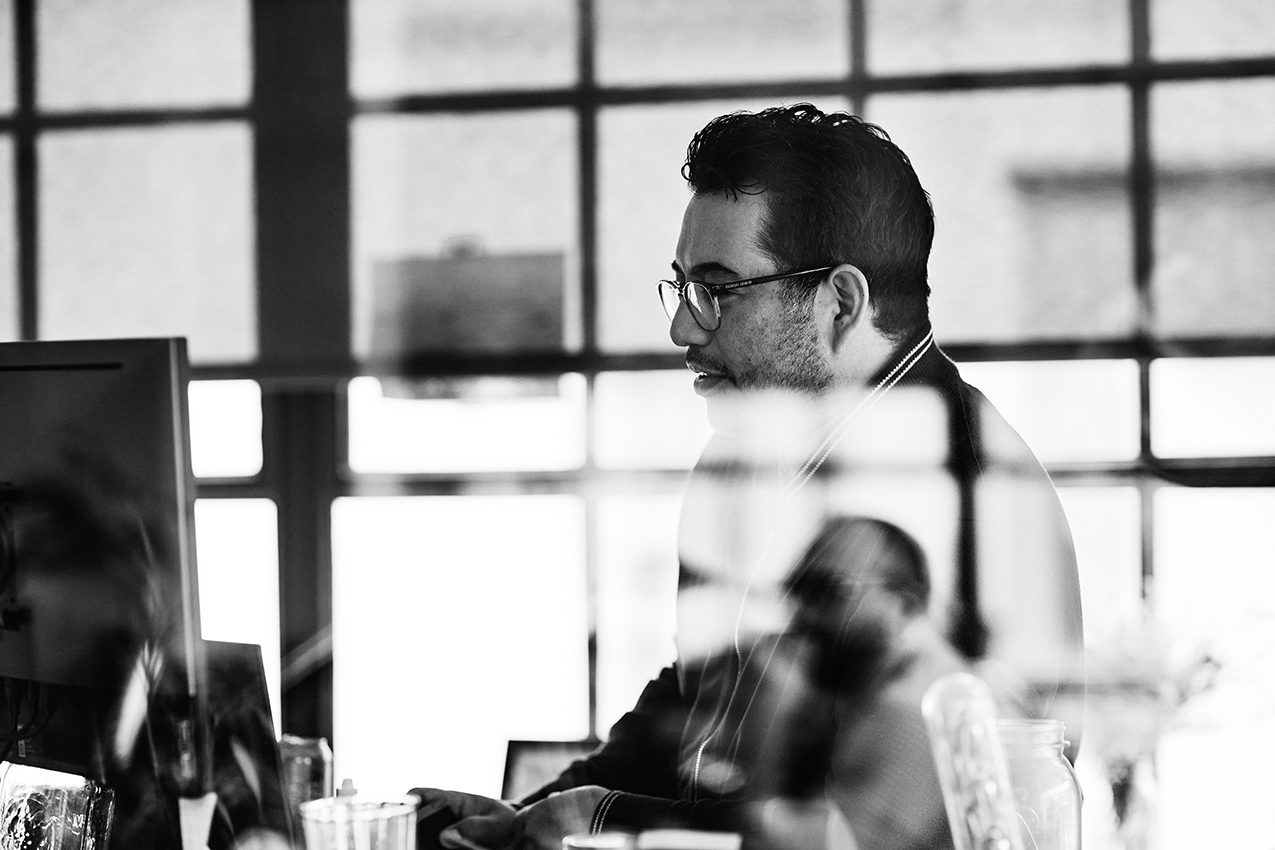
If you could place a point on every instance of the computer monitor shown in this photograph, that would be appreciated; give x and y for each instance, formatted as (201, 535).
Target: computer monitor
(102, 672)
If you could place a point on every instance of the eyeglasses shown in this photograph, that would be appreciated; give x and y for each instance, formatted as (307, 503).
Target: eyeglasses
(701, 298)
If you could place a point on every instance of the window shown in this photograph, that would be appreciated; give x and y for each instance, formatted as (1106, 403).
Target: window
(225, 428)
(238, 554)
(459, 622)
(149, 232)
(1068, 411)
(414, 254)
(1031, 200)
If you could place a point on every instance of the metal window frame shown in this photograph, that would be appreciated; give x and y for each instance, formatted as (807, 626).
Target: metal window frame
(301, 93)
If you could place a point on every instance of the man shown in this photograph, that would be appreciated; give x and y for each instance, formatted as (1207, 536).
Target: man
(801, 270)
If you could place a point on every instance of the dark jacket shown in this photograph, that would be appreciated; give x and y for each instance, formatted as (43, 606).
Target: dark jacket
(734, 724)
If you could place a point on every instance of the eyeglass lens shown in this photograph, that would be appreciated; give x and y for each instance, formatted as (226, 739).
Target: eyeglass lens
(702, 304)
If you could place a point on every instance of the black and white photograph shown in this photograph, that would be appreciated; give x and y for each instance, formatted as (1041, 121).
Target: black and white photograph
(637, 424)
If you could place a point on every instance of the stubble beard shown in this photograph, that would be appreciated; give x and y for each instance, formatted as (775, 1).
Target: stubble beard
(794, 366)
(797, 366)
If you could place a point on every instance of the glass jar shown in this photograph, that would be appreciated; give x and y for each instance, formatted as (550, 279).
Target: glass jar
(1046, 792)
(307, 773)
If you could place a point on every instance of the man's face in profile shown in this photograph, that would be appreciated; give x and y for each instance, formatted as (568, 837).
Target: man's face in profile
(767, 340)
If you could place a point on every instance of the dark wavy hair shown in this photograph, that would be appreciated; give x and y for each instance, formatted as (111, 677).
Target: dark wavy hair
(836, 189)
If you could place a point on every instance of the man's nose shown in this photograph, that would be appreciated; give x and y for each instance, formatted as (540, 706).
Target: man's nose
(684, 330)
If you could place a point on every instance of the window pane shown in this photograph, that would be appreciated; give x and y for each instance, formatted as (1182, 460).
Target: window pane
(225, 428)
(487, 425)
(1209, 407)
(9, 320)
(1031, 199)
(1215, 207)
(8, 94)
(1188, 29)
(637, 596)
(640, 152)
(408, 46)
(669, 41)
(237, 543)
(650, 420)
(1215, 592)
(1074, 411)
(918, 35)
(464, 227)
(132, 53)
(458, 623)
(149, 233)
(1106, 526)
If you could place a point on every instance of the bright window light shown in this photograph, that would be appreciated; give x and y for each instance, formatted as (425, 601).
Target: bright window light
(470, 426)
(1213, 407)
(1067, 411)
(237, 547)
(458, 624)
(225, 428)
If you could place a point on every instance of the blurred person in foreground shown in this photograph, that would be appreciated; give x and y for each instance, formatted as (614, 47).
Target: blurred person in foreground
(800, 293)
(859, 651)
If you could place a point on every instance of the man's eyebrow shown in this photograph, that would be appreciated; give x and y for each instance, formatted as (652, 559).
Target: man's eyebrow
(703, 270)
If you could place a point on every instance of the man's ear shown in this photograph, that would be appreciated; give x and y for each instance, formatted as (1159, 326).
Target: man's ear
(854, 306)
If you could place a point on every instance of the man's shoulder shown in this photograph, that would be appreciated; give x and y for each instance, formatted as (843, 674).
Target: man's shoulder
(977, 421)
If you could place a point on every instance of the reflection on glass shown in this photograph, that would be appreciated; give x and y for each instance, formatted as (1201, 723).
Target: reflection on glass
(409, 46)
(1188, 29)
(1214, 146)
(237, 543)
(663, 41)
(485, 425)
(9, 320)
(915, 35)
(650, 420)
(1213, 407)
(636, 596)
(498, 191)
(458, 623)
(1030, 193)
(1106, 526)
(1215, 592)
(149, 232)
(133, 53)
(225, 428)
(642, 196)
(1073, 411)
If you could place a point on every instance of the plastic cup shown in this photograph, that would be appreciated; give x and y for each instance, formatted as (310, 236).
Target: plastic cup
(360, 823)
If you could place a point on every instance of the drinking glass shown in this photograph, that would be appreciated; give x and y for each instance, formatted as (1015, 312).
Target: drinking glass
(360, 823)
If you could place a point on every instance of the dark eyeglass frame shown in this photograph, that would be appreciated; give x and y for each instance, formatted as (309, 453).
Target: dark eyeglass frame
(712, 320)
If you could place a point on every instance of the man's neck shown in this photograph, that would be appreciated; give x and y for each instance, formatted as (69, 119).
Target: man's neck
(881, 354)
(867, 355)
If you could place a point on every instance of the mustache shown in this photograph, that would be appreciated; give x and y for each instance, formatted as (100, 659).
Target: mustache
(697, 361)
